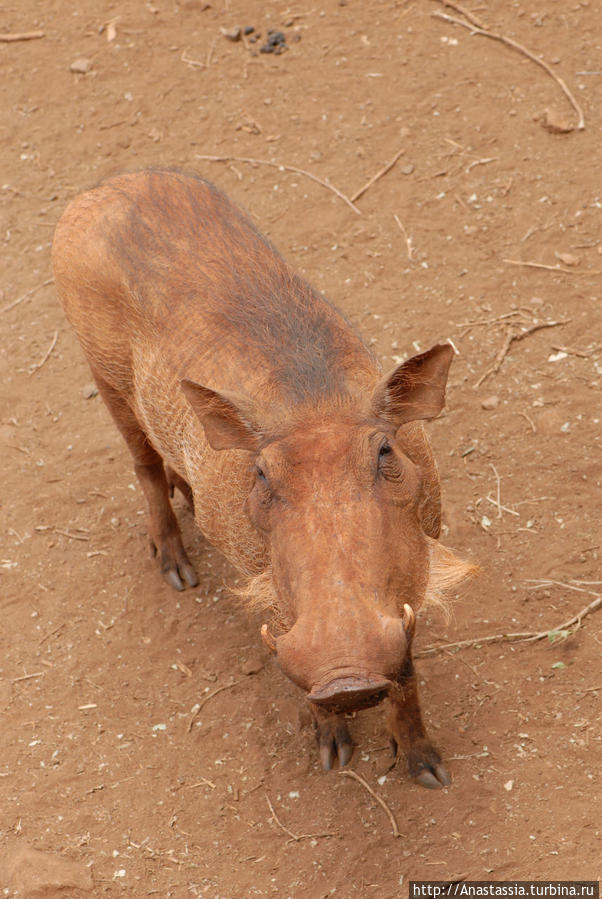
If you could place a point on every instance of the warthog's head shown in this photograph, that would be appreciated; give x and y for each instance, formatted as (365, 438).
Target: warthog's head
(346, 497)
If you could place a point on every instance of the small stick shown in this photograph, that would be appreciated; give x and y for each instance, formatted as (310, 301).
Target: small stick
(51, 634)
(46, 356)
(474, 29)
(497, 362)
(491, 321)
(481, 162)
(512, 336)
(495, 502)
(282, 168)
(552, 268)
(499, 498)
(526, 417)
(26, 295)
(525, 637)
(210, 696)
(378, 175)
(8, 38)
(71, 536)
(407, 239)
(571, 352)
(202, 782)
(293, 836)
(464, 12)
(210, 53)
(390, 815)
(191, 62)
(28, 676)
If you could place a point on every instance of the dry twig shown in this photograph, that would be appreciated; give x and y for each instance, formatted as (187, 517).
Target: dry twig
(378, 175)
(530, 420)
(202, 782)
(498, 502)
(26, 295)
(572, 352)
(70, 535)
(524, 637)
(9, 38)
(208, 697)
(511, 337)
(390, 815)
(463, 12)
(407, 239)
(283, 168)
(509, 42)
(293, 836)
(552, 268)
(28, 676)
(37, 366)
(192, 62)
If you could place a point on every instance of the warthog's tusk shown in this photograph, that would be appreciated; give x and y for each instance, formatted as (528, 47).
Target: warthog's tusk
(268, 638)
(408, 619)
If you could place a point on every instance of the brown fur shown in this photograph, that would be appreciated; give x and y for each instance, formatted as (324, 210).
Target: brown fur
(305, 466)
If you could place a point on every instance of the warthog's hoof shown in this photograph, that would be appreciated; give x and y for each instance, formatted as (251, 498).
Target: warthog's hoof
(176, 567)
(425, 765)
(334, 741)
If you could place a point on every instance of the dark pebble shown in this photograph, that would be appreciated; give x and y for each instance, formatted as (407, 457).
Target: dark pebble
(276, 42)
(249, 29)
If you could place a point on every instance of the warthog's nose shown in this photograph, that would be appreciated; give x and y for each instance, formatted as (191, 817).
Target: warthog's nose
(350, 693)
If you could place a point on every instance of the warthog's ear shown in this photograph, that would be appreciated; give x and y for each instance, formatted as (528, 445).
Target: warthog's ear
(416, 389)
(226, 417)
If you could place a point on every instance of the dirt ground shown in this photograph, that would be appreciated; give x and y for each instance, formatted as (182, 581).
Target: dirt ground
(105, 769)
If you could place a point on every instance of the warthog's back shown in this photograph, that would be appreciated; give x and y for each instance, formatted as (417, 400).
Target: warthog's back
(159, 268)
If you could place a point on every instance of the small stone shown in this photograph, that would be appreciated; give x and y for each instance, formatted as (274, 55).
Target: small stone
(249, 29)
(490, 402)
(407, 169)
(89, 391)
(554, 123)
(556, 357)
(233, 34)
(508, 785)
(81, 65)
(568, 258)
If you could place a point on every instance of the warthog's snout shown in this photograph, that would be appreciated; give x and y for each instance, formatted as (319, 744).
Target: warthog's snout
(350, 693)
(345, 665)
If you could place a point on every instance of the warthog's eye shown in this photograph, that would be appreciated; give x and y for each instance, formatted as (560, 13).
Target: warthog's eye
(388, 463)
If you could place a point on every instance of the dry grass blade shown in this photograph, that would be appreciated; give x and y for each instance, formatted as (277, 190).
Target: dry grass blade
(355, 776)
(475, 28)
(283, 168)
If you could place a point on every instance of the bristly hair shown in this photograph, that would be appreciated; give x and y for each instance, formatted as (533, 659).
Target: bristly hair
(446, 572)
(258, 594)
